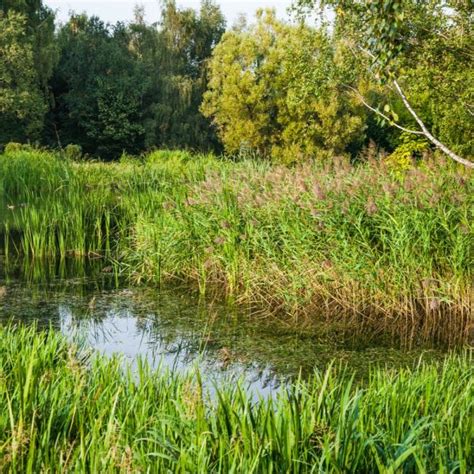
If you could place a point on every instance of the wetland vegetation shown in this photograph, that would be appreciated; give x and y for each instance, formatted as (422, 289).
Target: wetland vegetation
(355, 245)
(238, 249)
(66, 411)
(359, 250)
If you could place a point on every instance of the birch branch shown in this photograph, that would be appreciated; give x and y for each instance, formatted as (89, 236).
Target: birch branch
(381, 114)
(427, 133)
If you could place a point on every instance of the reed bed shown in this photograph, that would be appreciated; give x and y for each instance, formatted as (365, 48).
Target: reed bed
(367, 246)
(66, 410)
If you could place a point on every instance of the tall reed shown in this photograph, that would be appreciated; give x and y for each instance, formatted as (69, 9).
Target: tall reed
(367, 246)
(67, 411)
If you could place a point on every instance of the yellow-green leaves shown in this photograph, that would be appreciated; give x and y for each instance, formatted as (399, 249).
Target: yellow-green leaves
(274, 89)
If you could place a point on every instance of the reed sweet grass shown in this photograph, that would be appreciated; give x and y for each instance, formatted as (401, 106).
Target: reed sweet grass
(66, 410)
(374, 248)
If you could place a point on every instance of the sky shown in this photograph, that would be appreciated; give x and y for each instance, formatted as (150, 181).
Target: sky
(115, 10)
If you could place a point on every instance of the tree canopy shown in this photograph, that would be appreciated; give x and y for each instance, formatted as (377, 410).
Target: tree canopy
(422, 54)
(274, 90)
(394, 74)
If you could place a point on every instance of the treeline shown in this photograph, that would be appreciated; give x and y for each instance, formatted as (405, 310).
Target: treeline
(109, 89)
(280, 90)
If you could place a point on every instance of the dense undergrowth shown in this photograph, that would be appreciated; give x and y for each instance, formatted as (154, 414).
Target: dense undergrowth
(65, 411)
(378, 248)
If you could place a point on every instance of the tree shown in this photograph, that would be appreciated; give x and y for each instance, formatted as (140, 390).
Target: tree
(137, 86)
(99, 88)
(240, 96)
(39, 27)
(274, 90)
(404, 42)
(176, 54)
(21, 103)
(38, 31)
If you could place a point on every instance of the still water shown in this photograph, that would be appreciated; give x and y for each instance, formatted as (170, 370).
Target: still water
(176, 328)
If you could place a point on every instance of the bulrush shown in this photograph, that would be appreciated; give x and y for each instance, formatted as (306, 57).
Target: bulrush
(167, 205)
(327, 264)
(316, 213)
(191, 201)
(434, 304)
(219, 240)
(318, 192)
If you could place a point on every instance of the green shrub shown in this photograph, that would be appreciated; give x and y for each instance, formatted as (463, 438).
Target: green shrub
(410, 148)
(14, 147)
(73, 152)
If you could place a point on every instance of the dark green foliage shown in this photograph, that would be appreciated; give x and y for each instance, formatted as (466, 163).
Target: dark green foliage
(177, 65)
(291, 92)
(99, 89)
(126, 88)
(27, 57)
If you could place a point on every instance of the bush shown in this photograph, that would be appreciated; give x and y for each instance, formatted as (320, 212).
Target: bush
(73, 152)
(14, 147)
(410, 148)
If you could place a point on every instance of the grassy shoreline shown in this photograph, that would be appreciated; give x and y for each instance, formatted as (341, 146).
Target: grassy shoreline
(374, 248)
(65, 412)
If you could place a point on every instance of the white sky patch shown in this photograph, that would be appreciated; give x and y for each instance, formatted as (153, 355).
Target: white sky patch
(112, 11)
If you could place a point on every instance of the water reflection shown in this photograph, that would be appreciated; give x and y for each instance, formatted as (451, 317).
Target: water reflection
(176, 328)
(133, 337)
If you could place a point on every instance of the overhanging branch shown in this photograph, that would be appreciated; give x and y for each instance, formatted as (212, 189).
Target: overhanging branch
(381, 114)
(427, 133)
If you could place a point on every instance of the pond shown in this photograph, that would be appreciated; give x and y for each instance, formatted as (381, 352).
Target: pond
(175, 327)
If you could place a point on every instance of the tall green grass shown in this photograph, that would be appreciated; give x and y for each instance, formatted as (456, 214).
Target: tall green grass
(367, 246)
(64, 411)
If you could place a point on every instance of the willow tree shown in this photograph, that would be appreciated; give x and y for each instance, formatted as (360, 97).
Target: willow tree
(174, 53)
(422, 53)
(274, 90)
